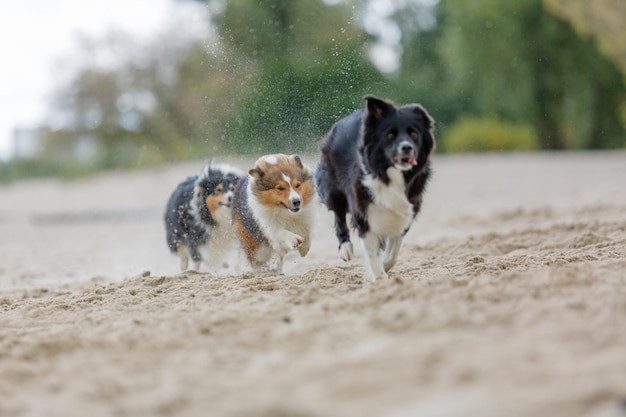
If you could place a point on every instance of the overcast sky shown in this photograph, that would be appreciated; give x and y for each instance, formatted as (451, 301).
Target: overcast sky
(34, 34)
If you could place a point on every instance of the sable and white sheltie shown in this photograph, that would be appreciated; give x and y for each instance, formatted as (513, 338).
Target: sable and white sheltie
(374, 165)
(272, 210)
(198, 219)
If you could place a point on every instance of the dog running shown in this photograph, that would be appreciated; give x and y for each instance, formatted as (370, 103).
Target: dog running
(198, 216)
(272, 211)
(374, 165)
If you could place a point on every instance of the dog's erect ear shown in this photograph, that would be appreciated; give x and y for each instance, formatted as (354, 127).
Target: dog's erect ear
(378, 108)
(428, 138)
(297, 160)
(256, 173)
(427, 121)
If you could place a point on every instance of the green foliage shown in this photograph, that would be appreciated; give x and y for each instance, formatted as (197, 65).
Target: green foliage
(472, 134)
(311, 72)
(293, 107)
(274, 76)
(160, 105)
(423, 76)
(301, 31)
(516, 60)
(20, 168)
(603, 20)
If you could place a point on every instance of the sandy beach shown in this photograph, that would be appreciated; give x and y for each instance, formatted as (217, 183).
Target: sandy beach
(508, 299)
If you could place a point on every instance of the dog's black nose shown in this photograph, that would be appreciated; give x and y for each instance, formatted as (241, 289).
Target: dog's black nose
(406, 148)
(295, 202)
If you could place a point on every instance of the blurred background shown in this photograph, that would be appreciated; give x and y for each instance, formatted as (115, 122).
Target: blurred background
(101, 84)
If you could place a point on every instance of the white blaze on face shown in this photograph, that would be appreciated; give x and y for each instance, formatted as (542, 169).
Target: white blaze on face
(230, 195)
(271, 160)
(293, 194)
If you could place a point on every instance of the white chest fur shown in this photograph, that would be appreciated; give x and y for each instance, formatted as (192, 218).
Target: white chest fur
(391, 212)
(273, 220)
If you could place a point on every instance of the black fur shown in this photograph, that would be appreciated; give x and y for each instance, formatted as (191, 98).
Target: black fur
(366, 142)
(188, 220)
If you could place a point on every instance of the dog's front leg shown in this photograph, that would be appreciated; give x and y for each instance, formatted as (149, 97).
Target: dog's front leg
(276, 263)
(346, 250)
(184, 256)
(305, 247)
(287, 241)
(184, 262)
(373, 258)
(392, 248)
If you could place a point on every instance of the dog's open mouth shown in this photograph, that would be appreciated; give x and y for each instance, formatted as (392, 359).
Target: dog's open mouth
(405, 161)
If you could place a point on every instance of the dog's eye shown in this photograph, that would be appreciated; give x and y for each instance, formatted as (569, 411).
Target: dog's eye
(280, 188)
(414, 135)
(298, 185)
(391, 136)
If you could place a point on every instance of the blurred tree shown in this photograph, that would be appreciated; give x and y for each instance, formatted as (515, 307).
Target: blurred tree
(422, 75)
(605, 20)
(156, 103)
(274, 75)
(517, 61)
(308, 67)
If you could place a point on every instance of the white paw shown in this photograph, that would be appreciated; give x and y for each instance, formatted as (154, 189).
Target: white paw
(368, 277)
(303, 250)
(275, 263)
(296, 241)
(184, 262)
(346, 251)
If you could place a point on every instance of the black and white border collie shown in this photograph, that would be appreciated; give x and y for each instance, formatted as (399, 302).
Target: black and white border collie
(374, 165)
(198, 220)
(272, 210)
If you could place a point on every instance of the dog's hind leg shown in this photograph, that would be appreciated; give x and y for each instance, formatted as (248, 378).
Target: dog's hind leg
(337, 202)
(392, 248)
(346, 250)
(373, 257)
(196, 257)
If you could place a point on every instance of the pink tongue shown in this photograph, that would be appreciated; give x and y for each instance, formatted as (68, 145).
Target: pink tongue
(413, 161)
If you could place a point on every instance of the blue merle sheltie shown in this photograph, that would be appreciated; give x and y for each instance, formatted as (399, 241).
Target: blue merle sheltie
(198, 219)
(272, 210)
(374, 165)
